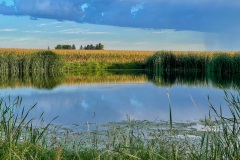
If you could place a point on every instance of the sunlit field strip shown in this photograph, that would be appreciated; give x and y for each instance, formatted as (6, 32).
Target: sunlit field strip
(105, 55)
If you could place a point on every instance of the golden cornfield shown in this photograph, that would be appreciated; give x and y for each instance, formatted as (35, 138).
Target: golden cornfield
(109, 56)
(90, 55)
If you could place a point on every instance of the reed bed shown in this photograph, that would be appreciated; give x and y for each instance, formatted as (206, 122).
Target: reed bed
(18, 62)
(218, 62)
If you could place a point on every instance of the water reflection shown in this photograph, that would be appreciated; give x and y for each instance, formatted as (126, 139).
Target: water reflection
(163, 79)
(102, 97)
(40, 81)
(113, 102)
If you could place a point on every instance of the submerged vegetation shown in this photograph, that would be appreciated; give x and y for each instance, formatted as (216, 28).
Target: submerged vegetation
(23, 137)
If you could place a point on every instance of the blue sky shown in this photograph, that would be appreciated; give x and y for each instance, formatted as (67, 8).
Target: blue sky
(121, 24)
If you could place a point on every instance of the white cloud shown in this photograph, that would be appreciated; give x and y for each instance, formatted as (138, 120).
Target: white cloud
(33, 31)
(136, 8)
(8, 30)
(161, 31)
(134, 102)
(84, 104)
(72, 31)
(23, 39)
(80, 31)
(48, 24)
(84, 6)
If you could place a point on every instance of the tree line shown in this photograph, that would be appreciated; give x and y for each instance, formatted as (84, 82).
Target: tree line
(87, 47)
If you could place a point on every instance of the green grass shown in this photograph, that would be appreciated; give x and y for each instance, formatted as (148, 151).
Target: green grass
(22, 137)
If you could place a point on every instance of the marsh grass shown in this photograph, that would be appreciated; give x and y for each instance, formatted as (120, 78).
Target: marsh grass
(22, 137)
(19, 137)
(175, 61)
(15, 63)
(218, 62)
(222, 138)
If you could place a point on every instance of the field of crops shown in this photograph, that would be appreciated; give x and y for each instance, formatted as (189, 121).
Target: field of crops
(111, 56)
(83, 59)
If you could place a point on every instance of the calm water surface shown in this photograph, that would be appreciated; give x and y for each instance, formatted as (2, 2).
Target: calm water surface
(99, 102)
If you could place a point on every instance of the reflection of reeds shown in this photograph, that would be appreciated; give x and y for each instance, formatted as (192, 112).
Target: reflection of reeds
(40, 81)
(192, 78)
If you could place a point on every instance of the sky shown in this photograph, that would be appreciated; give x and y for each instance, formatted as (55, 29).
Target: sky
(121, 24)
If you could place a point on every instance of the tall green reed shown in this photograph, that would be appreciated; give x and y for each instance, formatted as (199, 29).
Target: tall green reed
(20, 136)
(217, 62)
(171, 61)
(221, 140)
(38, 62)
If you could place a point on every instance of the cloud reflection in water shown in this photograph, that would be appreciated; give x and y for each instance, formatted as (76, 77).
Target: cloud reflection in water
(112, 102)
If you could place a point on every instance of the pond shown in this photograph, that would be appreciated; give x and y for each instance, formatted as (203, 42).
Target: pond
(115, 96)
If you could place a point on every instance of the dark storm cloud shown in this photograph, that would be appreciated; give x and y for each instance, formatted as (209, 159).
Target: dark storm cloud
(7, 10)
(204, 15)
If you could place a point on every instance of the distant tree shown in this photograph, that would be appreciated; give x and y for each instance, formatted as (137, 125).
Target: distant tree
(48, 48)
(66, 46)
(59, 46)
(73, 46)
(88, 47)
(92, 47)
(100, 46)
